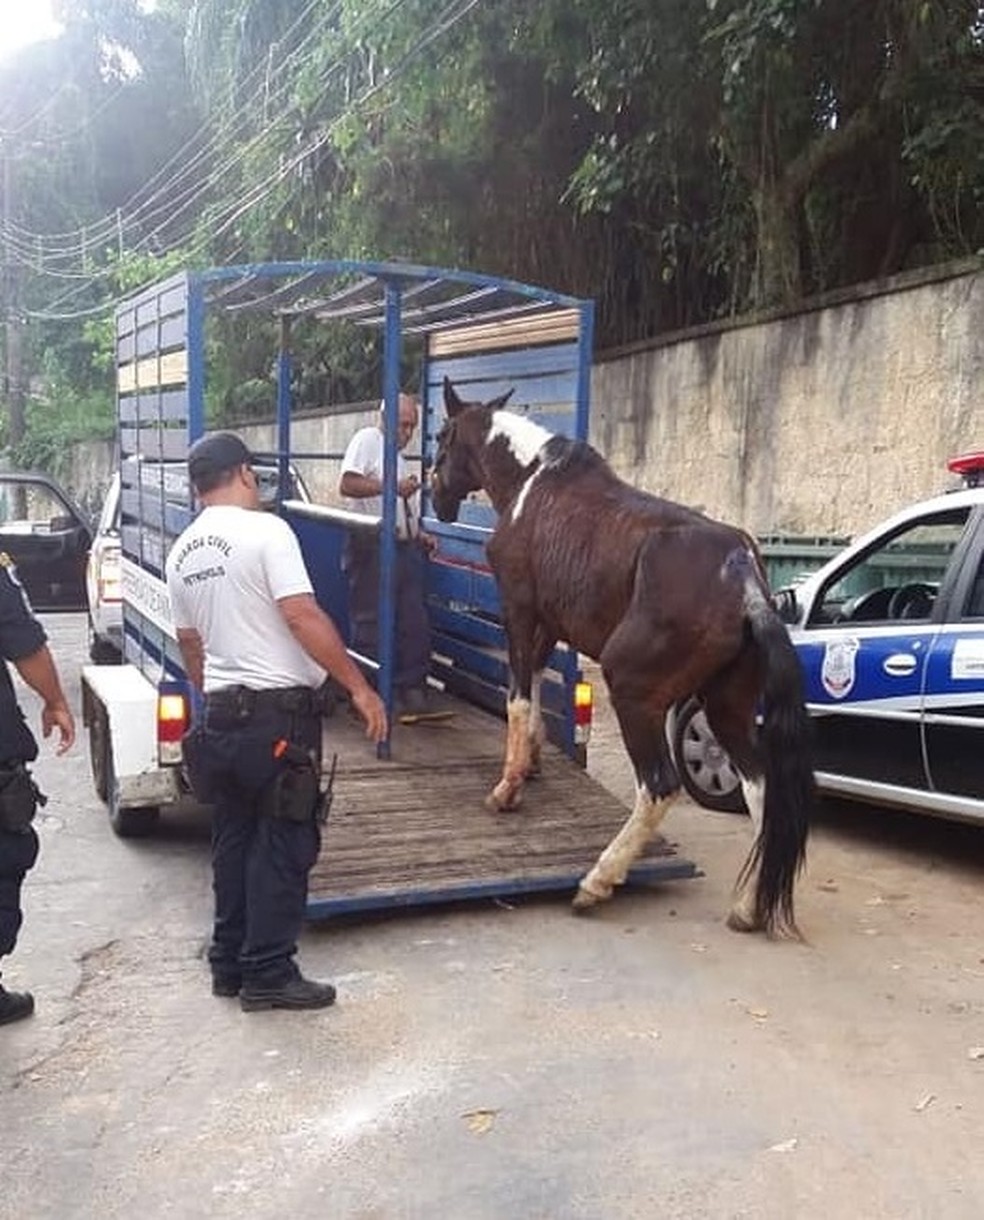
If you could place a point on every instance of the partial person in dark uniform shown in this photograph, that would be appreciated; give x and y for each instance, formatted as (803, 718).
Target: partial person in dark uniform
(361, 485)
(23, 642)
(254, 639)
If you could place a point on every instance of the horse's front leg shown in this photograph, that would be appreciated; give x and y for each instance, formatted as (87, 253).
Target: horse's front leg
(543, 646)
(521, 723)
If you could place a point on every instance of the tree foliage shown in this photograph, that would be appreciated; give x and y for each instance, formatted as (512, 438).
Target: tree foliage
(677, 160)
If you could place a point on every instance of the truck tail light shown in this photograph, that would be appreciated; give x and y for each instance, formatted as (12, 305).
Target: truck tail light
(172, 723)
(583, 712)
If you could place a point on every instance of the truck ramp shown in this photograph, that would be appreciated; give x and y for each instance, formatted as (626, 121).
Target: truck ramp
(414, 830)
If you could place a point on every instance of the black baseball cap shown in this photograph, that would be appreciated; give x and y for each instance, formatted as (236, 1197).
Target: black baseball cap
(215, 454)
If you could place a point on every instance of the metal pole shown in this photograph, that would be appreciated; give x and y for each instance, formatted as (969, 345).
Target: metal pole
(387, 549)
(14, 367)
(283, 408)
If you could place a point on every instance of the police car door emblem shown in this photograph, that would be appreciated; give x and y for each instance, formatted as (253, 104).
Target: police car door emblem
(839, 668)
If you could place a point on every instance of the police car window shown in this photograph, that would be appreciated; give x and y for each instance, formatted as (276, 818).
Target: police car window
(975, 603)
(897, 579)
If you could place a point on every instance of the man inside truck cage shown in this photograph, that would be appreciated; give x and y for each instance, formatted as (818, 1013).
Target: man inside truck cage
(255, 641)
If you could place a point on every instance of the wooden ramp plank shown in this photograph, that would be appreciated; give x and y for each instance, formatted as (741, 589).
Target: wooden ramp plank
(414, 830)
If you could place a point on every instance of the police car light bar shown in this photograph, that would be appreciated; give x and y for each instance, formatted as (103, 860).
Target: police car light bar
(970, 466)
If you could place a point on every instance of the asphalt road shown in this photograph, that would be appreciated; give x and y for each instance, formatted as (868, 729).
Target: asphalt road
(503, 1061)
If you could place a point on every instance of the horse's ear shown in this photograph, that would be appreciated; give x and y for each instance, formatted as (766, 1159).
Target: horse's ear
(501, 401)
(452, 403)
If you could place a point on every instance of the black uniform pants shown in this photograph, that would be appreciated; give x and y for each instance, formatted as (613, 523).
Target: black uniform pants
(18, 851)
(412, 651)
(260, 862)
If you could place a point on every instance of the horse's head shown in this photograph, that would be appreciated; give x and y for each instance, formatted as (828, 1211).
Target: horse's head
(457, 469)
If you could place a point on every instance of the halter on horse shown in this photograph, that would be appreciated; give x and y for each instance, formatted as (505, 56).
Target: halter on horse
(670, 603)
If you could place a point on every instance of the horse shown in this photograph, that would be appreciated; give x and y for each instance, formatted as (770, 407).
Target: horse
(670, 603)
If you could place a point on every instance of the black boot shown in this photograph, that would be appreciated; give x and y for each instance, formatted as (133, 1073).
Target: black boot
(297, 992)
(15, 1005)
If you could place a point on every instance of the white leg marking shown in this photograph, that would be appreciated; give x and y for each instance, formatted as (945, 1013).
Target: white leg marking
(614, 863)
(517, 762)
(742, 916)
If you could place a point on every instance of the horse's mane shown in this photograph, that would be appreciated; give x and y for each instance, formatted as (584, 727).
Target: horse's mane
(566, 456)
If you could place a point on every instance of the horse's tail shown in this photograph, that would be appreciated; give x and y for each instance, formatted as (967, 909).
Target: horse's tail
(785, 748)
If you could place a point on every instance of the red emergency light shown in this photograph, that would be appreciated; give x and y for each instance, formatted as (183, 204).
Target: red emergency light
(970, 466)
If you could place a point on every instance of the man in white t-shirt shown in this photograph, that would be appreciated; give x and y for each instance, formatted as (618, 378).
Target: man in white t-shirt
(361, 485)
(255, 641)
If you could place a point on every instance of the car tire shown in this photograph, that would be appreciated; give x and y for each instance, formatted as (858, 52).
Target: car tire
(102, 652)
(705, 769)
(126, 823)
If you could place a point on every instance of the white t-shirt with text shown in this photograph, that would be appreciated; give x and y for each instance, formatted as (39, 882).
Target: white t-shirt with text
(225, 574)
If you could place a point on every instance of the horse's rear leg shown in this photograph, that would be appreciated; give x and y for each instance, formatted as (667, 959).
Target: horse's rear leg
(657, 786)
(730, 707)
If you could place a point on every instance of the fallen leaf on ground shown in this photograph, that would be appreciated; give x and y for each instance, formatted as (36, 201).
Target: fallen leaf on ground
(480, 1121)
(785, 1146)
(976, 1052)
(698, 948)
(759, 1014)
(924, 1103)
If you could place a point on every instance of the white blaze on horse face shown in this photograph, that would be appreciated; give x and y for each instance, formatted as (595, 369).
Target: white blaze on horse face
(524, 437)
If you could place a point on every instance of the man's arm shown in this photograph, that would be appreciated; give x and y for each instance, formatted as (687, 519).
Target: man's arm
(39, 672)
(318, 636)
(364, 486)
(193, 656)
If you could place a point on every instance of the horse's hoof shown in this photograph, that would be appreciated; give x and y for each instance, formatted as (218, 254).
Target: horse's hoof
(502, 803)
(585, 899)
(738, 922)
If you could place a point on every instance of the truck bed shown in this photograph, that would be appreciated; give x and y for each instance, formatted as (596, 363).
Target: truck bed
(414, 830)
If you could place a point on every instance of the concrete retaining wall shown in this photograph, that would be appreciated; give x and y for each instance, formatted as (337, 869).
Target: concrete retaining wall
(818, 423)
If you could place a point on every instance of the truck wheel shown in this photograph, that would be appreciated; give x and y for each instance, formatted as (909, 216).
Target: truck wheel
(705, 769)
(102, 652)
(127, 823)
(100, 748)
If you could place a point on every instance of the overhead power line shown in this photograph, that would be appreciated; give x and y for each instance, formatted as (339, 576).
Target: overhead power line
(226, 218)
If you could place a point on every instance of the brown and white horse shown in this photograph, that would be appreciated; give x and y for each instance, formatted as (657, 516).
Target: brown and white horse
(671, 603)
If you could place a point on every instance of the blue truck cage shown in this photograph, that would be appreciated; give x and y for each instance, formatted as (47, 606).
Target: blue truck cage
(488, 335)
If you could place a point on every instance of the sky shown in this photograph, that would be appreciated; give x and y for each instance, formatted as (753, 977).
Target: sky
(24, 21)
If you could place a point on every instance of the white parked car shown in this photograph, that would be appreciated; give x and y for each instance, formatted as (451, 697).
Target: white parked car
(102, 582)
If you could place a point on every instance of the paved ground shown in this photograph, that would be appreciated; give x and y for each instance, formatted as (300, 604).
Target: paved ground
(504, 1062)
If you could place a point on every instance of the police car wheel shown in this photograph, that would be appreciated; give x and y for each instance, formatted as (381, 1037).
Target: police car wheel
(127, 823)
(705, 769)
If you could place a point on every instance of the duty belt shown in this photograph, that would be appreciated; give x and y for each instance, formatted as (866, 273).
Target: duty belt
(242, 702)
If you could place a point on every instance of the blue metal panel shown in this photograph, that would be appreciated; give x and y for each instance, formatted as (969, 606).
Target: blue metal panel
(527, 362)
(528, 393)
(322, 545)
(461, 586)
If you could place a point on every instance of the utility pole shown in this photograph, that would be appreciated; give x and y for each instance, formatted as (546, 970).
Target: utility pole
(13, 373)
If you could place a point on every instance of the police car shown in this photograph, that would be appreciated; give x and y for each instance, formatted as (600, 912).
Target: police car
(890, 635)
